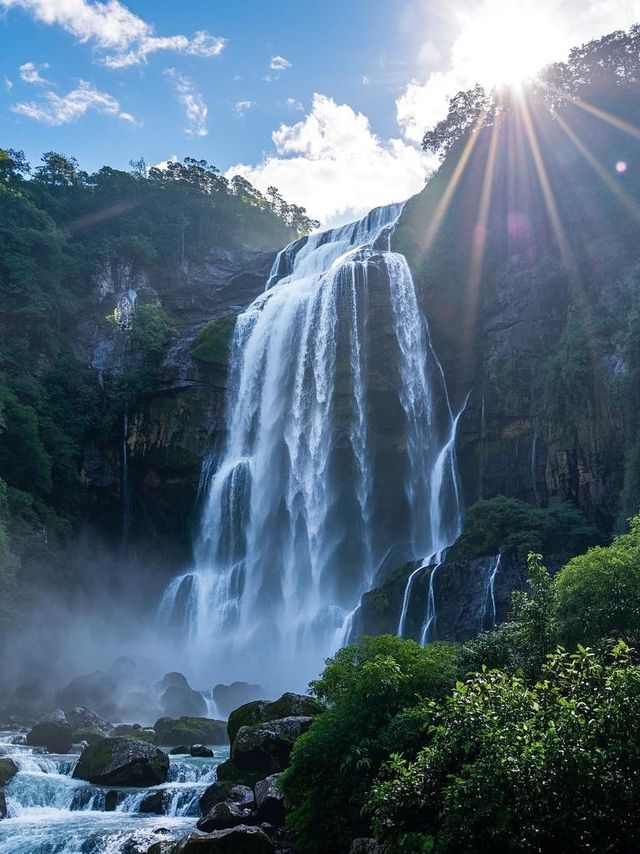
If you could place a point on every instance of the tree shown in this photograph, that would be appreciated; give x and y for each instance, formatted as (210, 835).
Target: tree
(58, 170)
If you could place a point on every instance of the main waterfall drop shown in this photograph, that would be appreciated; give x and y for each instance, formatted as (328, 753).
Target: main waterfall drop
(339, 460)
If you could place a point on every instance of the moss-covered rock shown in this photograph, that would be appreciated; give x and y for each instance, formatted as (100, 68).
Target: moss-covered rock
(122, 762)
(267, 747)
(214, 339)
(189, 731)
(224, 790)
(135, 731)
(262, 711)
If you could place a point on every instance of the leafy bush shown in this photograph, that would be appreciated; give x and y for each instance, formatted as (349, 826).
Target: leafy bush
(214, 339)
(151, 329)
(553, 767)
(599, 592)
(495, 524)
(335, 762)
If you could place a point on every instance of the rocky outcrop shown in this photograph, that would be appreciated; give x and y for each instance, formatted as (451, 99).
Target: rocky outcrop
(261, 711)
(270, 801)
(122, 762)
(8, 770)
(55, 737)
(230, 697)
(187, 731)
(265, 748)
(226, 791)
(223, 815)
(238, 840)
(179, 699)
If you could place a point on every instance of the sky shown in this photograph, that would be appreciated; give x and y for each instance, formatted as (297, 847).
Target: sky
(327, 101)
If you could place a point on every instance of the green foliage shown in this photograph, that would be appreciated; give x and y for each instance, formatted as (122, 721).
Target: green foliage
(151, 330)
(509, 766)
(599, 592)
(333, 765)
(214, 340)
(9, 563)
(522, 644)
(496, 524)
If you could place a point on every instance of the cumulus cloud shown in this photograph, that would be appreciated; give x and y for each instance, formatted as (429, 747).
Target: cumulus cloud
(57, 109)
(29, 74)
(111, 26)
(480, 29)
(196, 111)
(279, 63)
(241, 107)
(333, 164)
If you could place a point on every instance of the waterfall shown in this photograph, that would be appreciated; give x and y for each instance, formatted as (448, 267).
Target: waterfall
(490, 598)
(340, 446)
(430, 620)
(406, 599)
(534, 459)
(126, 486)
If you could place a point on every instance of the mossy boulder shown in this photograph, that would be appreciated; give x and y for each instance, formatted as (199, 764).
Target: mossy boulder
(55, 737)
(122, 762)
(261, 711)
(270, 801)
(8, 769)
(228, 772)
(267, 747)
(188, 731)
(135, 731)
(236, 840)
(223, 815)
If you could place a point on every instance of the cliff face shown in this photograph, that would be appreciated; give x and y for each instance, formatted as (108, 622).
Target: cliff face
(149, 468)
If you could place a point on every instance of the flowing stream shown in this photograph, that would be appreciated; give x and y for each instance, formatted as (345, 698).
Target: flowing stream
(51, 813)
(340, 450)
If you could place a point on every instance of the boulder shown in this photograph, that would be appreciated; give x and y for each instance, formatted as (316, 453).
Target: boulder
(80, 718)
(225, 791)
(181, 750)
(56, 716)
(199, 750)
(270, 800)
(8, 769)
(261, 711)
(188, 731)
(122, 762)
(229, 697)
(3, 805)
(228, 772)
(112, 798)
(179, 699)
(223, 815)
(134, 731)
(267, 747)
(154, 803)
(55, 737)
(365, 845)
(236, 840)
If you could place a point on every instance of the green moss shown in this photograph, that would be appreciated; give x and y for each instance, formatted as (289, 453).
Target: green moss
(214, 340)
(246, 715)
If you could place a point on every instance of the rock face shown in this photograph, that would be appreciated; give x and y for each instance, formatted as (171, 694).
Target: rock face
(56, 737)
(261, 711)
(266, 748)
(187, 731)
(270, 801)
(467, 599)
(238, 840)
(122, 762)
(8, 770)
(226, 791)
(179, 699)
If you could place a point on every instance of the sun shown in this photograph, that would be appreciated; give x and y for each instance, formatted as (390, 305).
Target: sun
(506, 42)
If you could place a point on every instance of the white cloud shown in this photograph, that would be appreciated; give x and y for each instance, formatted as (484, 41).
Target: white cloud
(30, 74)
(488, 33)
(365, 80)
(8, 84)
(196, 110)
(241, 107)
(294, 104)
(279, 63)
(334, 165)
(111, 26)
(61, 109)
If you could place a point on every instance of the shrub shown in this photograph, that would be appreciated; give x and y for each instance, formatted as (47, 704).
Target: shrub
(214, 340)
(335, 762)
(599, 592)
(553, 767)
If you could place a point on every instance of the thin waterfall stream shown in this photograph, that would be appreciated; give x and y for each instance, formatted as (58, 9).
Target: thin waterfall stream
(340, 450)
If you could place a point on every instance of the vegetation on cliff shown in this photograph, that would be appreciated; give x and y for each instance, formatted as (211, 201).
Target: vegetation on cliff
(522, 739)
(60, 228)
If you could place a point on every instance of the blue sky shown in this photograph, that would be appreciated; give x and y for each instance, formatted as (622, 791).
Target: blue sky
(326, 100)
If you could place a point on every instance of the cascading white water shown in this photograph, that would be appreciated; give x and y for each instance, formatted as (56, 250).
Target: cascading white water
(490, 595)
(340, 447)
